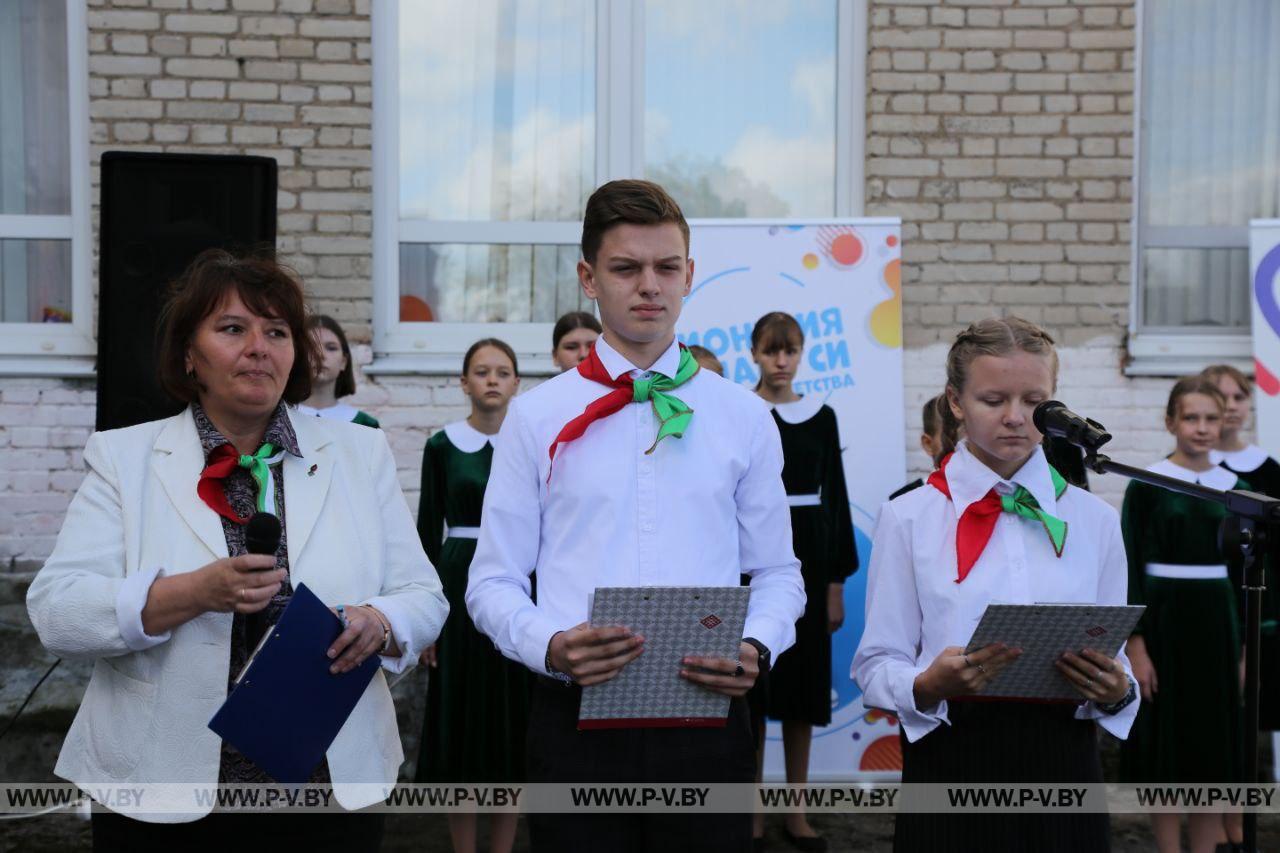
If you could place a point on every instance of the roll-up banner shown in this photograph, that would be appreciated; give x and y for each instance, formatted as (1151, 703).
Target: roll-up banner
(841, 279)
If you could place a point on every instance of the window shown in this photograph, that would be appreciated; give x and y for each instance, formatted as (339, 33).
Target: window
(45, 300)
(1209, 162)
(495, 119)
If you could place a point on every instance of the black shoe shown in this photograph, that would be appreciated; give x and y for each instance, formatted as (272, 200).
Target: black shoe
(806, 843)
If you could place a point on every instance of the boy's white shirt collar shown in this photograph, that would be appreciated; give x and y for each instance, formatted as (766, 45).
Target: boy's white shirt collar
(970, 480)
(1248, 459)
(616, 364)
(1215, 477)
(467, 438)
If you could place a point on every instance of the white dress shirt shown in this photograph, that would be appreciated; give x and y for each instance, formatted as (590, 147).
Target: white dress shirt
(698, 511)
(915, 608)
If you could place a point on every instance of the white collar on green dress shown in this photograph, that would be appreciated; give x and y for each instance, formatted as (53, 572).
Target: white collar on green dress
(799, 411)
(1244, 461)
(467, 438)
(1214, 478)
(338, 411)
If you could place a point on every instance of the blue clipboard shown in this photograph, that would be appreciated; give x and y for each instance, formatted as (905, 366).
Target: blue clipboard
(286, 707)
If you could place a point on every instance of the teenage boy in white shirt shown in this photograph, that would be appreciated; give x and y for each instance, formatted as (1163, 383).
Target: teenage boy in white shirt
(610, 495)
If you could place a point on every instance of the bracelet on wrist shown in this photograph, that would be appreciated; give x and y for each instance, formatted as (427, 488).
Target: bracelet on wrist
(386, 627)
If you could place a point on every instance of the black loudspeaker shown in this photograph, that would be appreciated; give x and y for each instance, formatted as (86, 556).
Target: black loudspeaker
(158, 211)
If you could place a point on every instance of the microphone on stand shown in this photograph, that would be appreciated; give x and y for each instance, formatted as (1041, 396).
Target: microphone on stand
(261, 536)
(1054, 419)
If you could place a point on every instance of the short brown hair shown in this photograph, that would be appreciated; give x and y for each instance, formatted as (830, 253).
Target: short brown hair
(1215, 372)
(346, 383)
(776, 330)
(706, 358)
(573, 321)
(500, 345)
(627, 202)
(267, 288)
(1197, 384)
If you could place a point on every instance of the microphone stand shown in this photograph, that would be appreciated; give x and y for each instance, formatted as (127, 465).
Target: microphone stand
(1250, 530)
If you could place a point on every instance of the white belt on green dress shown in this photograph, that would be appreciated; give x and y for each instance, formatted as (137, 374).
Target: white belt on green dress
(464, 532)
(1186, 573)
(804, 500)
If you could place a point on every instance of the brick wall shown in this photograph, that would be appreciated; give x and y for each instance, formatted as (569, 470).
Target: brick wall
(1001, 133)
(287, 79)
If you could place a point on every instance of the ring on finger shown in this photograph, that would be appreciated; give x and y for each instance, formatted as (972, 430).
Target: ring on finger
(982, 669)
(966, 660)
(739, 672)
(242, 593)
(1088, 682)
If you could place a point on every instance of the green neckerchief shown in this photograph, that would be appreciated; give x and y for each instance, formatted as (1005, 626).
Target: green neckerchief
(259, 465)
(1023, 503)
(673, 413)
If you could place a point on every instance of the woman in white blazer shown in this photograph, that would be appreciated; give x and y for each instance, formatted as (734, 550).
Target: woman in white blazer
(150, 576)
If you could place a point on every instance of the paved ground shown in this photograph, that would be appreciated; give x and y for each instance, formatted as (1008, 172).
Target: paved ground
(429, 834)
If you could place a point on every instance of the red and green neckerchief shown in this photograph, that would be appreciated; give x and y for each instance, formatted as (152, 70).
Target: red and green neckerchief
(673, 413)
(978, 522)
(222, 461)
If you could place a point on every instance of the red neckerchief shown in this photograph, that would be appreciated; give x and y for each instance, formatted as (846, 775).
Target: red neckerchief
(222, 461)
(623, 393)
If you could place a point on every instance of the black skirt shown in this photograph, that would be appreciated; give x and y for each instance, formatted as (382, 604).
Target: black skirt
(1004, 742)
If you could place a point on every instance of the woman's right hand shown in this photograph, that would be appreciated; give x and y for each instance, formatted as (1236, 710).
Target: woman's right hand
(953, 673)
(233, 584)
(1144, 671)
(243, 584)
(428, 656)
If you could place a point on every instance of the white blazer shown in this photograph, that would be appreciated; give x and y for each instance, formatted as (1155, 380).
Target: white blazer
(145, 714)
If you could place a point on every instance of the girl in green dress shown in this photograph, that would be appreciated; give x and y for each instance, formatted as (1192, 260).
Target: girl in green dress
(1186, 650)
(335, 378)
(477, 700)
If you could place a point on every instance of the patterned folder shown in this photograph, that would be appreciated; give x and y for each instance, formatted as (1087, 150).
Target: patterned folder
(675, 621)
(1044, 632)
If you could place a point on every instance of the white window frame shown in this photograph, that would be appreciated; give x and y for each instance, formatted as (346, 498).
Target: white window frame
(437, 348)
(61, 349)
(1168, 351)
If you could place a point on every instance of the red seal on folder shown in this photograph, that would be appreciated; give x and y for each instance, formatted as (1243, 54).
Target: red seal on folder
(709, 621)
(1096, 631)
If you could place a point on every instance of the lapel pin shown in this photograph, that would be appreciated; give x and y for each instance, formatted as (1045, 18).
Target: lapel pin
(311, 472)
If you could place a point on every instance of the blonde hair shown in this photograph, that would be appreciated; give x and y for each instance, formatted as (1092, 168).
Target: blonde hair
(1215, 372)
(998, 336)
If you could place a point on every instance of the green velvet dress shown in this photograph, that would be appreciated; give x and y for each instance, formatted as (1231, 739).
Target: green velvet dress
(341, 412)
(477, 700)
(1191, 731)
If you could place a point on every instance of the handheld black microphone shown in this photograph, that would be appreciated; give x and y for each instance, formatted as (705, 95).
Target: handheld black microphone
(262, 534)
(1056, 420)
